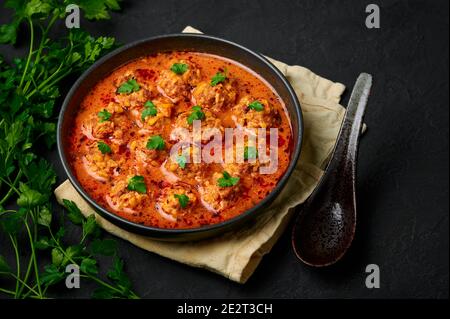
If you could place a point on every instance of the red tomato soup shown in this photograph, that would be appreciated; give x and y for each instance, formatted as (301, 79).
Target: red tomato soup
(122, 136)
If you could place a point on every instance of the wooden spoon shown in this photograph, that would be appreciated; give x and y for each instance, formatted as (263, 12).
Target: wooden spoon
(325, 226)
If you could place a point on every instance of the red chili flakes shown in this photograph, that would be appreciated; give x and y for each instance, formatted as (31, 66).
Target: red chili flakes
(145, 74)
(106, 99)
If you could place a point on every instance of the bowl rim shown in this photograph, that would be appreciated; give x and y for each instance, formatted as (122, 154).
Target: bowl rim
(166, 232)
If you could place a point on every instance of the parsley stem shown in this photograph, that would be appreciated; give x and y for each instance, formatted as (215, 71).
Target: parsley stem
(45, 82)
(9, 292)
(11, 189)
(27, 274)
(33, 255)
(40, 88)
(16, 253)
(6, 211)
(6, 291)
(101, 282)
(39, 51)
(31, 289)
(10, 185)
(30, 52)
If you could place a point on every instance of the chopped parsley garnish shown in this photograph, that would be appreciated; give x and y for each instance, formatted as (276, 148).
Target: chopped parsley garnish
(104, 115)
(182, 199)
(128, 87)
(181, 160)
(103, 147)
(227, 180)
(250, 152)
(156, 142)
(150, 110)
(217, 78)
(197, 114)
(256, 105)
(137, 183)
(179, 68)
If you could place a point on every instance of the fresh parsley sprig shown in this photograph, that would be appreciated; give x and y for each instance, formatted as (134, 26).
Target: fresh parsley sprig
(179, 68)
(137, 183)
(149, 110)
(183, 200)
(128, 87)
(218, 78)
(196, 114)
(256, 106)
(103, 147)
(156, 142)
(29, 90)
(227, 180)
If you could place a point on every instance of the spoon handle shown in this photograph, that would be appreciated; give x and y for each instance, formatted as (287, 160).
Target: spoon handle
(345, 151)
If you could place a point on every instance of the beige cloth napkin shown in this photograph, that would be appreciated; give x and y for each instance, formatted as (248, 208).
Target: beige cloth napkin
(236, 255)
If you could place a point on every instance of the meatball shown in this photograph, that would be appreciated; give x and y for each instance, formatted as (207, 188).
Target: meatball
(192, 75)
(208, 121)
(175, 201)
(103, 130)
(215, 98)
(133, 99)
(181, 169)
(215, 197)
(254, 113)
(175, 86)
(98, 165)
(156, 121)
(109, 122)
(120, 198)
(240, 169)
(145, 156)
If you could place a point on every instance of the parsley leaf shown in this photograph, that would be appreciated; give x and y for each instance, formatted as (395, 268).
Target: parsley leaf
(104, 115)
(156, 142)
(74, 213)
(181, 160)
(28, 197)
(97, 9)
(217, 78)
(227, 180)
(57, 257)
(40, 174)
(44, 217)
(182, 199)
(118, 275)
(197, 114)
(52, 275)
(137, 183)
(103, 147)
(105, 247)
(256, 105)
(43, 243)
(89, 266)
(179, 68)
(89, 226)
(128, 87)
(150, 110)
(250, 152)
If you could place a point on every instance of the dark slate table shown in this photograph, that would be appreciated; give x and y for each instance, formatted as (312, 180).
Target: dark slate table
(403, 165)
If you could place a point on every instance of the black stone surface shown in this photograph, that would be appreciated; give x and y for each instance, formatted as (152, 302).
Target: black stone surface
(403, 171)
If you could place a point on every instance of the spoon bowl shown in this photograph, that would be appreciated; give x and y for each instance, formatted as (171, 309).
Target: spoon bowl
(325, 226)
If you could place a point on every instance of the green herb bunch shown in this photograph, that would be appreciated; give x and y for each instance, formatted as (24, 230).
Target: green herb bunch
(29, 91)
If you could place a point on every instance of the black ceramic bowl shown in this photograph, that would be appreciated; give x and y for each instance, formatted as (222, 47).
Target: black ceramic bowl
(183, 42)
